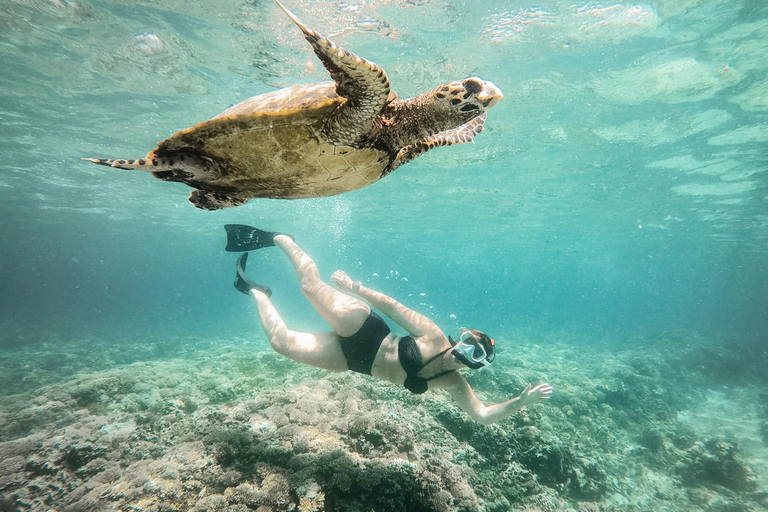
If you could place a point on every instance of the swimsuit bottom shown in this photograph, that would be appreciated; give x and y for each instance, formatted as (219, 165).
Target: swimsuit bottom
(360, 349)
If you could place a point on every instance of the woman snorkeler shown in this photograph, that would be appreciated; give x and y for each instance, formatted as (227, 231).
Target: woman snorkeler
(361, 341)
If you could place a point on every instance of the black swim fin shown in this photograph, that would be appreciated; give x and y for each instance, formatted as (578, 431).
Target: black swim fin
(246, 238)
(243, 283)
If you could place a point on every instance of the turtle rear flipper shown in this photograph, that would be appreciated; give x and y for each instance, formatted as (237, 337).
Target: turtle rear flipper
(139, 164)
(214, 200)
(182, 168)
(179, 167)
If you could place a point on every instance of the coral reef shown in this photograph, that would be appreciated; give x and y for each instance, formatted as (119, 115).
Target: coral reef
(715, 462)
(232, 429)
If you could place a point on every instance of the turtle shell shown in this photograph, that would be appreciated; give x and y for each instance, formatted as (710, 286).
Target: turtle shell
(273, 145)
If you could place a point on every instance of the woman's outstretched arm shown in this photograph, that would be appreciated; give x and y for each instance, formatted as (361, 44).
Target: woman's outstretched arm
(460, 390)
(415, 323)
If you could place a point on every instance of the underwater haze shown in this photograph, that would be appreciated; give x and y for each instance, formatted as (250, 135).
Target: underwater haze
(609, 227)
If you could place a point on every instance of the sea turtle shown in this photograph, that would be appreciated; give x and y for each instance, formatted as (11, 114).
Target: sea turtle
(318, 139)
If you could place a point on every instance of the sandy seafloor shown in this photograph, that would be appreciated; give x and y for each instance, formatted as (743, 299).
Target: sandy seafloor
(676, 423)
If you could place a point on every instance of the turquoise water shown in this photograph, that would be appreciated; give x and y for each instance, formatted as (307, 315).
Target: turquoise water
(618, 193)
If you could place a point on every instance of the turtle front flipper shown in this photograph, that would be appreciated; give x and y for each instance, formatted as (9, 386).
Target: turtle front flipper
(460, 135)
(364, 85)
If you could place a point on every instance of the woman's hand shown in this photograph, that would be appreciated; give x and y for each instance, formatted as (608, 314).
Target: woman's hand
(343, 281)
(531, 396)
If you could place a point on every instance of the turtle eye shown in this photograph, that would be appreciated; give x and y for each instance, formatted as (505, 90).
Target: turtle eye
(473, 86)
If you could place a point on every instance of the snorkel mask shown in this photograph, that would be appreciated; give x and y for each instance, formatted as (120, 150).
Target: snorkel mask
(471, 352)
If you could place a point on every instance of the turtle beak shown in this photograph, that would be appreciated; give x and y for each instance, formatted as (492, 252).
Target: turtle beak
(490, 95)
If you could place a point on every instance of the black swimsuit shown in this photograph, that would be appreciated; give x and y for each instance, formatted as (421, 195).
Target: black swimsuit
(410, 359)
(361, 348)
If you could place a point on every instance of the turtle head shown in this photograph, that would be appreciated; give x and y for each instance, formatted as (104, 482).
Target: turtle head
(468, 98)
(457, 108)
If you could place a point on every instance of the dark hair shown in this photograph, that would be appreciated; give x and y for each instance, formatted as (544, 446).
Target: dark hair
(485, 340)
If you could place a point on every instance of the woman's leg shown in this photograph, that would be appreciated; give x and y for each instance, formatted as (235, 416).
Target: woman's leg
(322, 350)
(344, 313)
